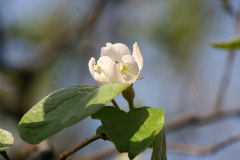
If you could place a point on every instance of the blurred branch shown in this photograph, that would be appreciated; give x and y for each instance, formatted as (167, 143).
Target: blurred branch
(45, 53)
(89, 21)
(43, 150)
(227, 6)
(47, 49)
(190, 118)
(67, 37)
(225, 80)
(228, 68)
(199, 150)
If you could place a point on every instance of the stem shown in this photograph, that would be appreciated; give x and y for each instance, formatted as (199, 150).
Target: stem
(225, 80)
(129, 95)
(115, 104)
(139, 77)
(131, 106)
(65, 155)
(4, 154)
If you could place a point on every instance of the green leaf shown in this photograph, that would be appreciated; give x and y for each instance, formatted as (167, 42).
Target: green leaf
(231, 44)
(115, 124)
(6, 140)
(159, 147)
(64, 108)
(99, 130)
(131, 132)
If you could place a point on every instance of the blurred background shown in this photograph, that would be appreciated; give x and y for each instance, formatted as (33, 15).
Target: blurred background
(46, 45)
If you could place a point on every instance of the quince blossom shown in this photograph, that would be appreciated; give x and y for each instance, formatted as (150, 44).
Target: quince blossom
(116, 64)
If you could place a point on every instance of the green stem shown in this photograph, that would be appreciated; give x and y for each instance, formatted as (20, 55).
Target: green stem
(129, 95)
(131, 106)
(115, 104)
(4, 154)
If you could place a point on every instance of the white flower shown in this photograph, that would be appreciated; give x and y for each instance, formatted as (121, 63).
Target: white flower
(116, 64)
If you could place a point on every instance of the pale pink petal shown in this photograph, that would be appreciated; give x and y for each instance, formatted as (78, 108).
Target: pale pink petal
(129, 69)
(106, 72)
(91, 65)
(138, 56)
(115, 51)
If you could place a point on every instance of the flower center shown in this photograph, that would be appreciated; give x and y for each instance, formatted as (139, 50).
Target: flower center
(97, 68)
(121, 67)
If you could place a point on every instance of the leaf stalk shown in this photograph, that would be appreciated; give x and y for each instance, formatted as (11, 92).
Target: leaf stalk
(115, 104)
(129, 95)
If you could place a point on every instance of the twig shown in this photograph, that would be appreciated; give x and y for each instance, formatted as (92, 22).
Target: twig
(4, 154)
(199, 150)
(115, 104)
(65, 155)
(189, 118)
(174, 147)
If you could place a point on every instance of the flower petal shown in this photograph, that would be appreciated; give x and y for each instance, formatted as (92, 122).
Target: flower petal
(129, 69)
(108, 44)
(106, 72)
(115, 51)
(91, 65)
(138, 56)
